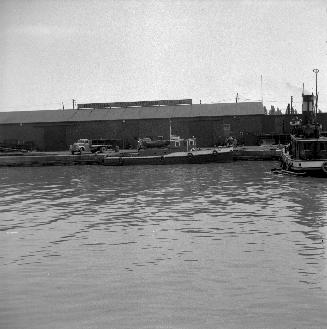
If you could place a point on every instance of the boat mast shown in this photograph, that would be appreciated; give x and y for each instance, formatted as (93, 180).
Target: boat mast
(169, 128)
(316, 72)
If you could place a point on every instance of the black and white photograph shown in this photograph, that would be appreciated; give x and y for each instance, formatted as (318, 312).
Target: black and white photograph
(163, 164)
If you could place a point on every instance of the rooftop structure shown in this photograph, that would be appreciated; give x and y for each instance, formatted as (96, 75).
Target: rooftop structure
(133, 113)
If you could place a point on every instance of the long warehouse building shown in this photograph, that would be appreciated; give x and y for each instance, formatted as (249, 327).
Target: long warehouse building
(55, 130)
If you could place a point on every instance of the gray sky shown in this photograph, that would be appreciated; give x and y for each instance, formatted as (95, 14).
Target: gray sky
(102, 51)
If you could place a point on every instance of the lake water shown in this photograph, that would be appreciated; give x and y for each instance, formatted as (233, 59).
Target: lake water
(190, 246)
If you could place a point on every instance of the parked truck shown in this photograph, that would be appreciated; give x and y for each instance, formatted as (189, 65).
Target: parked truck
(93, 145)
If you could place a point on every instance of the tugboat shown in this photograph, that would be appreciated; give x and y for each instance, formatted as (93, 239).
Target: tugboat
(306, 154)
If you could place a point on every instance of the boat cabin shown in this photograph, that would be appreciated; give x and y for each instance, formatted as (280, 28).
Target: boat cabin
(147, 146)
(308, 149)
(184, 144)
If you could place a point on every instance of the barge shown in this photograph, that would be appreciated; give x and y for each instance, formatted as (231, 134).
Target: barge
(35, 159)
(224, 154)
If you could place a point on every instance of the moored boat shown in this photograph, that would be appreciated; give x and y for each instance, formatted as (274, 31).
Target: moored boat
(179, 151)
(307, 150)
(224, 154)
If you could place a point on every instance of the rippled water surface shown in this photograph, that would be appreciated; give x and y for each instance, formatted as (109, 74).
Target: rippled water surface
(191, 246)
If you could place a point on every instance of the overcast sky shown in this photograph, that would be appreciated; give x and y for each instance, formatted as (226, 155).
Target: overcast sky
(104, 51)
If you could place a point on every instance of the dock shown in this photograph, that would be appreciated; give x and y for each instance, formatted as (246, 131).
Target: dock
(30, 159)
(257, 153)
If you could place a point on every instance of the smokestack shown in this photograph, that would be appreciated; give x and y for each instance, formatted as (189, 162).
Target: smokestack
(308, 110)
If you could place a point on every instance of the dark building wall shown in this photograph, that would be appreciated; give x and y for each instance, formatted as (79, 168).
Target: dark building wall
(93, 130)
(209, 131)
(128, 131)
(154, 128)
(22, 134)
(55, 138)
(205, 129)
(273, 124)
(214, 130)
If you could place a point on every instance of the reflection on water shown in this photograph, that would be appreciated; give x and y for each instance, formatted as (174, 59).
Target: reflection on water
(192, 246)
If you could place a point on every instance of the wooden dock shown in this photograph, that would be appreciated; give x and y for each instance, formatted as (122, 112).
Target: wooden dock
(260, 153)
(43, 159)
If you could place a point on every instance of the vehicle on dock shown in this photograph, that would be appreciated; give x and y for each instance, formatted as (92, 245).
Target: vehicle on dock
(307, 151)
(93, 145)
(176, 151)
(147, 142)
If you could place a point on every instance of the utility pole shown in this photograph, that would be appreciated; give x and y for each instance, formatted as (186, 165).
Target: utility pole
(261, 89)
(74, 100)
(291, 104)
(236, 98)
(316, 72)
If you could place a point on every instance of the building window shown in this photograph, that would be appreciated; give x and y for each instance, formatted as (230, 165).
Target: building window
(226, 126)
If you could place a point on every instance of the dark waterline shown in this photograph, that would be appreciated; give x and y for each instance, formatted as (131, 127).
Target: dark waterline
(186, 246)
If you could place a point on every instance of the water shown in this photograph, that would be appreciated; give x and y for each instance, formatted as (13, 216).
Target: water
(191, 246)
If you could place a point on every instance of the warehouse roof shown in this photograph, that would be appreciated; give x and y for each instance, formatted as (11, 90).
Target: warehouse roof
(156, 112)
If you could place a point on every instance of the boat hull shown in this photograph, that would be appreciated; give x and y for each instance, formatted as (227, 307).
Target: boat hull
(195, 157)
(308, 167)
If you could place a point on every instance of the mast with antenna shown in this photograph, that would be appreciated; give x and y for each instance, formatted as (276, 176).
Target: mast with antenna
(316, 72)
